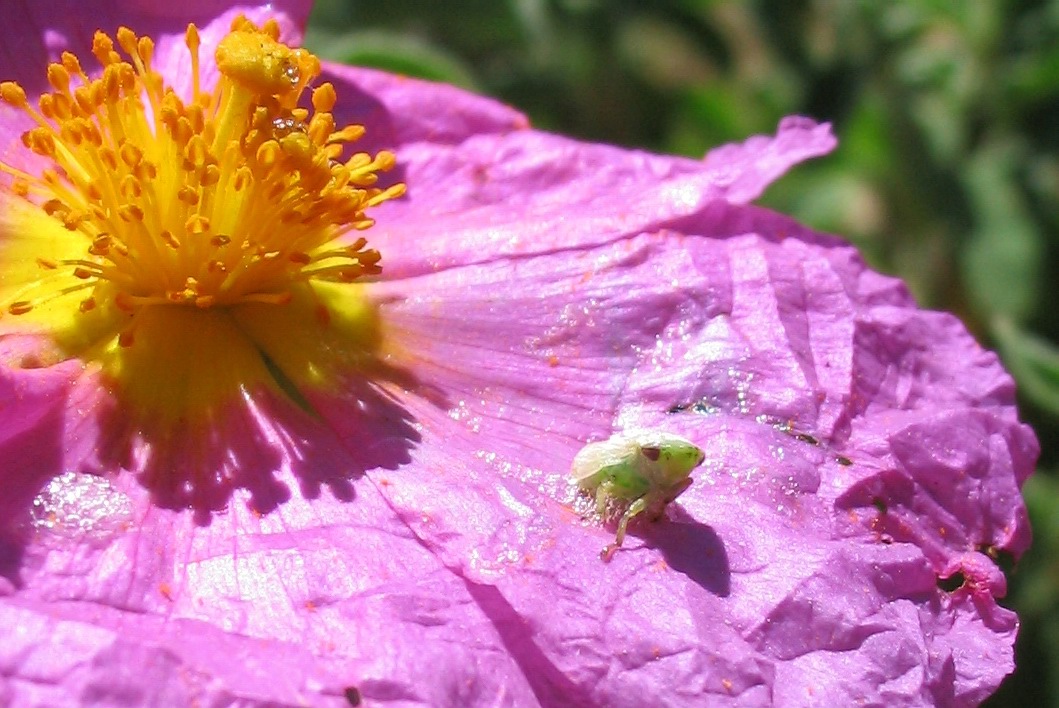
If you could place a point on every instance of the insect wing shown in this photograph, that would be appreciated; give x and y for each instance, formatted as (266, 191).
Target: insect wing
(595, 456)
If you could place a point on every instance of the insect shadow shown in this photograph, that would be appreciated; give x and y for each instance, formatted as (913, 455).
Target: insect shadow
(692, 548)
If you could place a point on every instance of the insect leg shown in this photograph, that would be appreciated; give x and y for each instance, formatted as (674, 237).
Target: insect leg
(635, 508)
(602, 497)
(670, 496)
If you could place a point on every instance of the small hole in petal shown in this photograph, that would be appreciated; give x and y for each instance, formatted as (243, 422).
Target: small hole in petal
(952, 583)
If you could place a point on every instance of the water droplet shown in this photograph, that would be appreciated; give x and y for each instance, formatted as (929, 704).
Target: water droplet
(77, 505)
(283, 126)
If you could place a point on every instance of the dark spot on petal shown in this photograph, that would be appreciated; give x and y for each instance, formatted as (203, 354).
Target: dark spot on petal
(31, 361)
(352, 694)
(879, 504)
(700, 407)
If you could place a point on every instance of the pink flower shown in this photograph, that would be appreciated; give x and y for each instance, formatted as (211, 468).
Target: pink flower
(373, 504)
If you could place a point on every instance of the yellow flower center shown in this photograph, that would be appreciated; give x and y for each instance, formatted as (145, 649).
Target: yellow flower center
(191, 250)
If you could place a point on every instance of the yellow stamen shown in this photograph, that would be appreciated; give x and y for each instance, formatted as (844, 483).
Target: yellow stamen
(233, 201)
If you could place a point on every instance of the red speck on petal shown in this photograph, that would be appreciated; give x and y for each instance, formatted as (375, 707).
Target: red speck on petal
(31, 361)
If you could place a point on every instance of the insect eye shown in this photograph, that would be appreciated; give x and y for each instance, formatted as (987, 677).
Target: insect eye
(651, 453)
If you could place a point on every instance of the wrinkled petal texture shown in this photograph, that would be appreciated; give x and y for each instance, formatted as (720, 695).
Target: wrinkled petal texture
(416, 541)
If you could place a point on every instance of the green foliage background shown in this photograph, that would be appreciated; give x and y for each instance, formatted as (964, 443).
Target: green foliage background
(947, 173)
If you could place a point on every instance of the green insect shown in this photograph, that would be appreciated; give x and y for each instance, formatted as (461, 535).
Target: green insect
(644, 469)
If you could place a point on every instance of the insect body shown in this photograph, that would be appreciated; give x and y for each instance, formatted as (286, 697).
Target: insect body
(645, 469)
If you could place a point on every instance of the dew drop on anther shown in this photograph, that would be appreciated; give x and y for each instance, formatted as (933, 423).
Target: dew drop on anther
(284, 126)
(292, 74)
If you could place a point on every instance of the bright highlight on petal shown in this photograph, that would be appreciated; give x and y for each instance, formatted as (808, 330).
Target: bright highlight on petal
(159, 229)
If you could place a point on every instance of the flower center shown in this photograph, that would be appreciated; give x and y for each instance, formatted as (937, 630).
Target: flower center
(236, 200)
(232, 198)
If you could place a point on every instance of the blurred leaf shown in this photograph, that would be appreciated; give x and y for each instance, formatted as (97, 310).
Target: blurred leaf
(663, 54)
(829, 199)
(1036, 76)
(1039, 583)
(399, 53)
(942, 121)
(708, 116)
(865, 144)
(1033, 361)
(1002, 259)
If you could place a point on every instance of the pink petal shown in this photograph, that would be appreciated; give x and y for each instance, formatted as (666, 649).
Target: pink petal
(803, 557)
(253, 609)
(32, 401)
(503, 188)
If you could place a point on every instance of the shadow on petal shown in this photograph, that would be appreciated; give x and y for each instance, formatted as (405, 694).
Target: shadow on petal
(262, 443)
(362, 429)
(694, 549)
(36, 452)
(32, 405)
(197, 465)
(547, 681)
(277, 401)
(10, 565)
